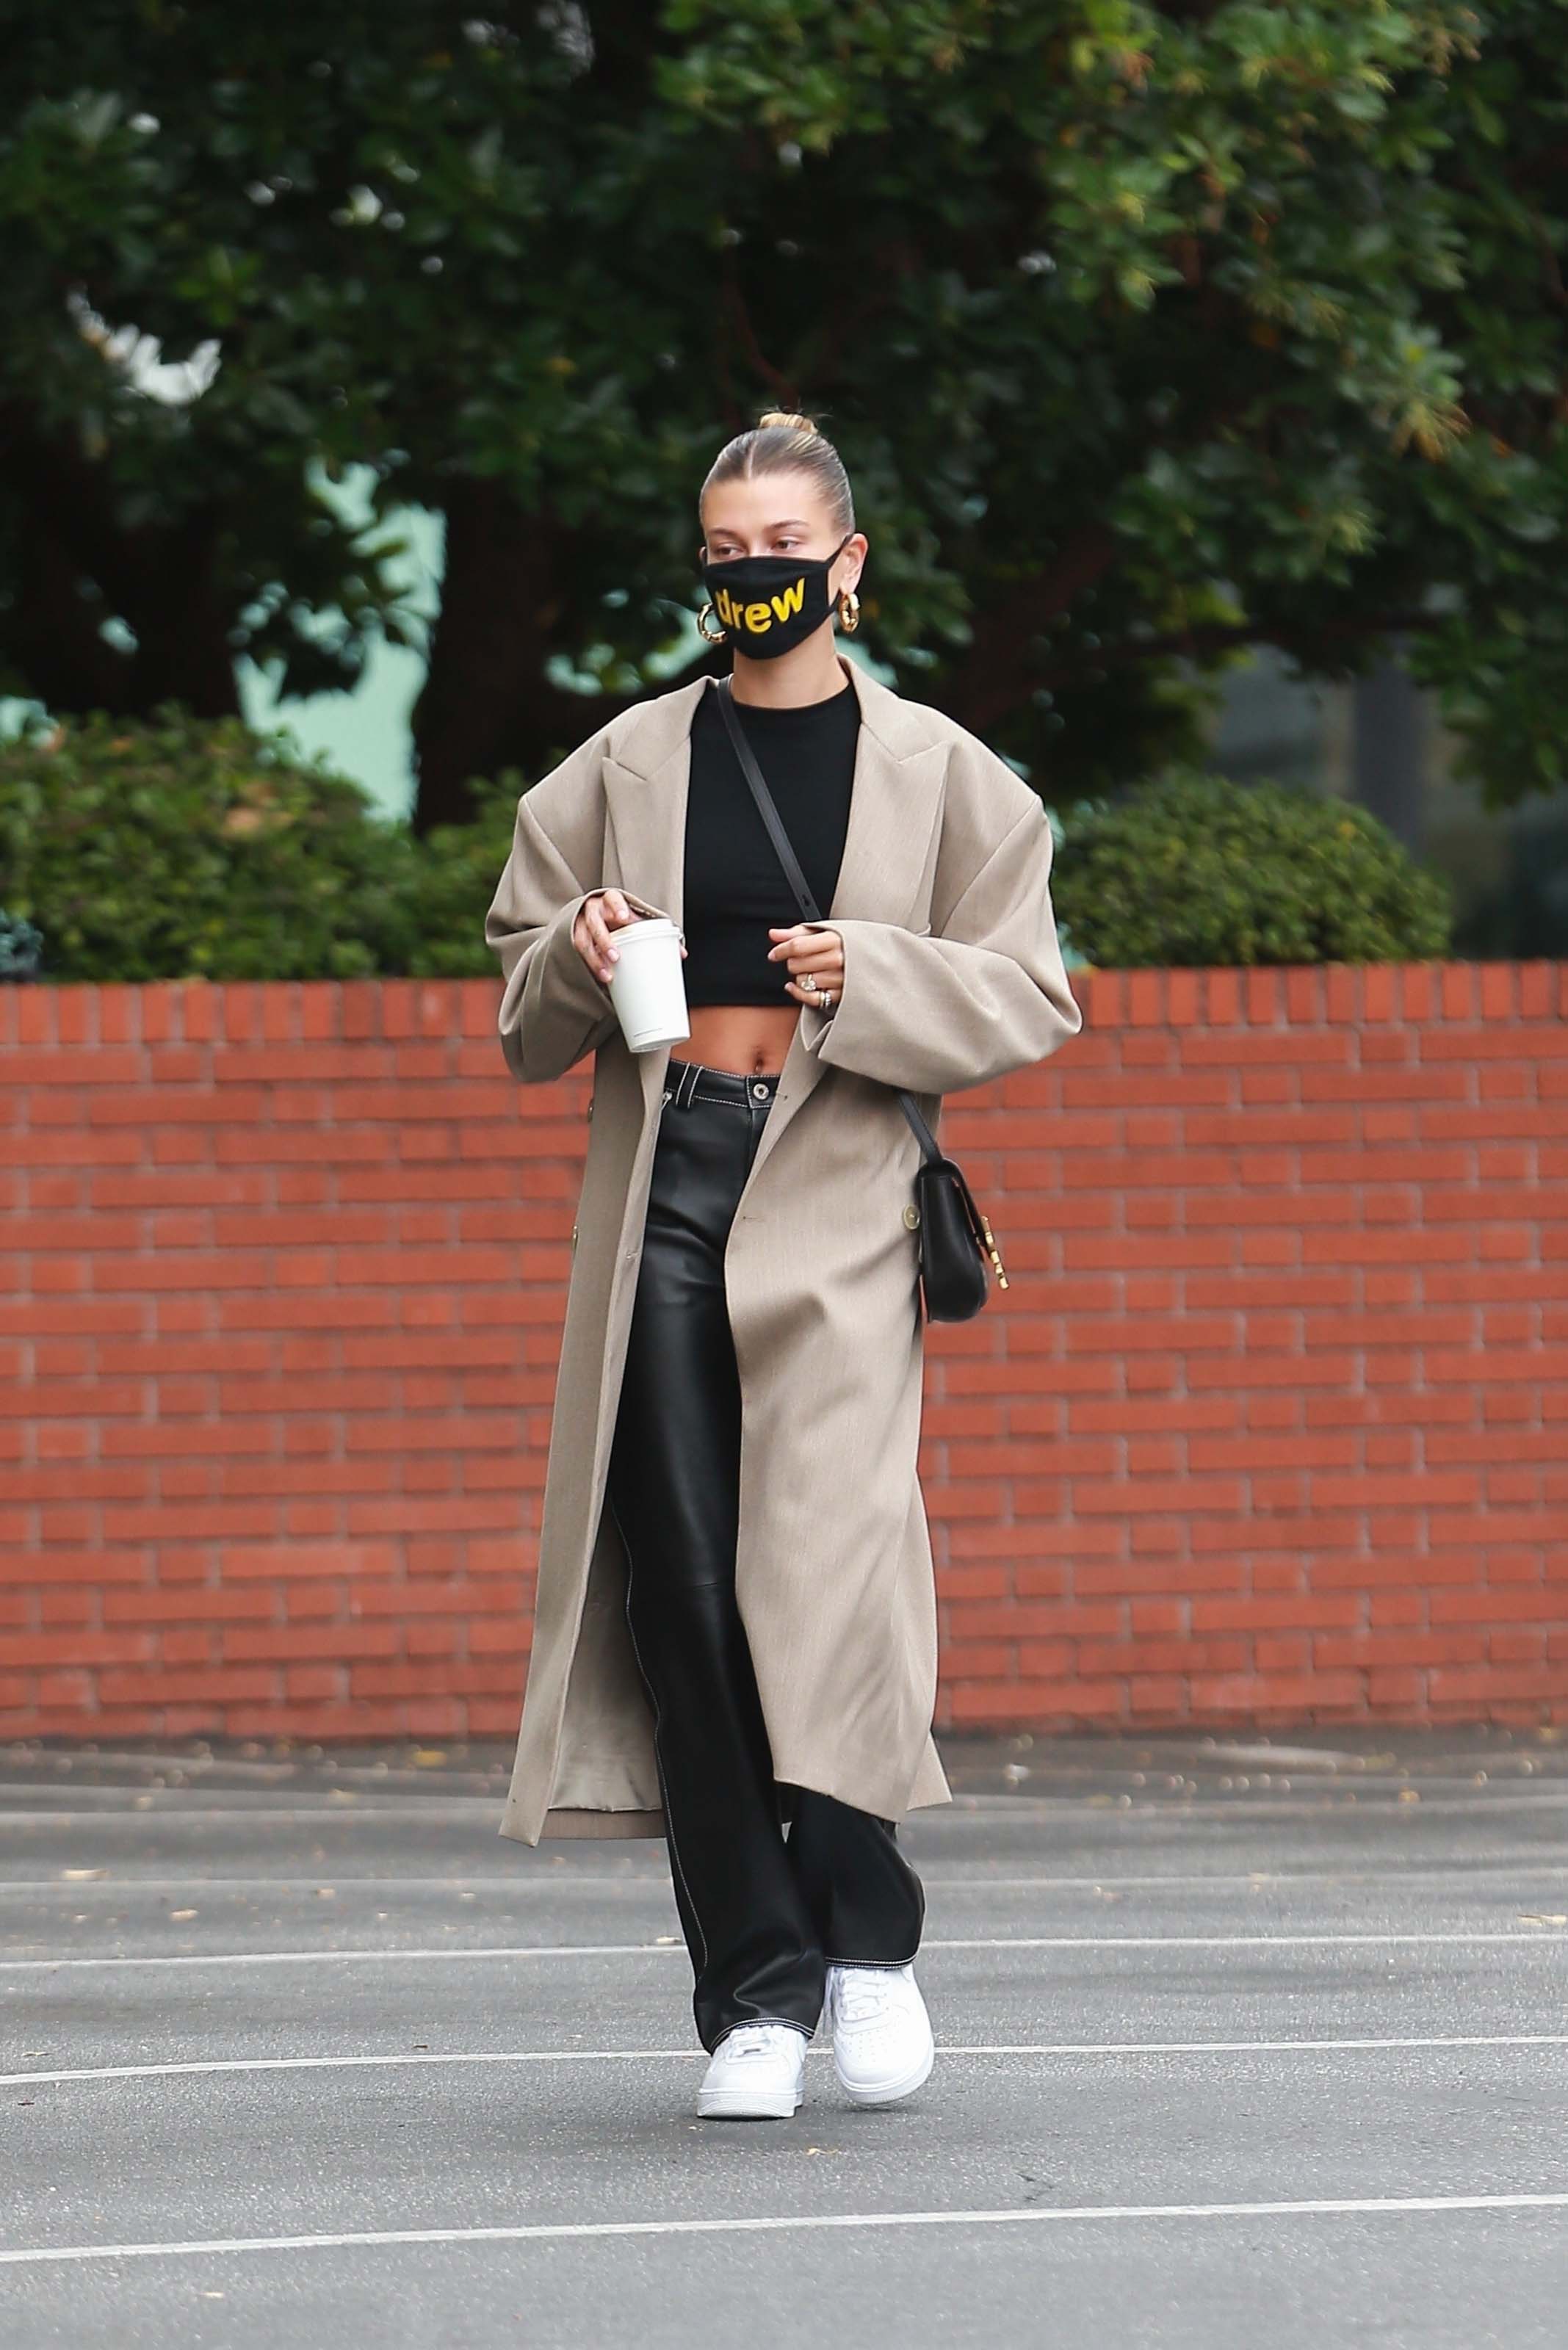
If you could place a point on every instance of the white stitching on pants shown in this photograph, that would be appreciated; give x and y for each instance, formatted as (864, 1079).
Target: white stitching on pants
(688, 1087)
(874, 1965)
(692, 1097)
(658, 1724)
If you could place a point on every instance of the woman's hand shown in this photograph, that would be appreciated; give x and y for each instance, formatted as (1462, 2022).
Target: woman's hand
(811, 953)
(605, 910)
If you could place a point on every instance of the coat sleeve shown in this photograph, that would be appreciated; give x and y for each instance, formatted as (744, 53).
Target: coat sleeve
(553, 1008)
(987, 995)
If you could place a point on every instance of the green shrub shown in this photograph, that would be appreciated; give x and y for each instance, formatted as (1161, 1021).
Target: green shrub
(453, 873)
(184, 848)
(1195, 870)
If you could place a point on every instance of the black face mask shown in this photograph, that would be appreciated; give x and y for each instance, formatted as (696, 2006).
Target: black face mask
(771, 603)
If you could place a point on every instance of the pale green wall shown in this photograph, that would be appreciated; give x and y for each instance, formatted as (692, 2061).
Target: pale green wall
(366, 733)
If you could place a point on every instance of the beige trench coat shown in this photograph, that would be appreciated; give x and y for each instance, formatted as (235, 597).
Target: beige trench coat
(952, 975)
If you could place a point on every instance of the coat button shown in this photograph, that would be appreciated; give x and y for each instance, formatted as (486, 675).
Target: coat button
(589, 1111)
(574, 1236)
(912, 1215)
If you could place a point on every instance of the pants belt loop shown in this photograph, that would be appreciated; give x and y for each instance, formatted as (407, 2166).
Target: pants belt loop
(686, 1083)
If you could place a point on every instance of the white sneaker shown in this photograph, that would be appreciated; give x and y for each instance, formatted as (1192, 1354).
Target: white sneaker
(882, 2045)
(757, 2073)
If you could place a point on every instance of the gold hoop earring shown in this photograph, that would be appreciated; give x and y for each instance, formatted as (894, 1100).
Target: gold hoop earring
(724, 636)
(848, 611)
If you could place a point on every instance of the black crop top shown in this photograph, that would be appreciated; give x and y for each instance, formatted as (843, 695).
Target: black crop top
(734, 886)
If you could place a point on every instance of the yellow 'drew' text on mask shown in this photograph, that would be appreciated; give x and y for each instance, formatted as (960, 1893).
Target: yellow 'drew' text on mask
(768, 603)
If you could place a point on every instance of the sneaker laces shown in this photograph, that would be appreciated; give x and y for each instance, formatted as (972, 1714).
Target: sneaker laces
(751, 2040)
(865, 1994)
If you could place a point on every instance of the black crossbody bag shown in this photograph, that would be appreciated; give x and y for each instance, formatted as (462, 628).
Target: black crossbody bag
(957, 1250)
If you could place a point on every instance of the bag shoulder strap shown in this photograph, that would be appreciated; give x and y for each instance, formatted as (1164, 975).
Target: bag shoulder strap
(769, 813)
(766, 806)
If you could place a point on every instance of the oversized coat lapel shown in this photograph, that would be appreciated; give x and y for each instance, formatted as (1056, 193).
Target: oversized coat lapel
(890, 849)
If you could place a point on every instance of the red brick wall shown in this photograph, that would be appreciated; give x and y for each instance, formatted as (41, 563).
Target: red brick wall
(1271, 1427)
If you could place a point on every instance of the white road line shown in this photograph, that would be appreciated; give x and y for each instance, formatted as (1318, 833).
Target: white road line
(1148, 1809)
(313, 1958)
(1300, 1800)
(104, 1881)
(1345, 1762)
(1215, 1941)
(1212, 1753)
(692, 2055)
(564, 1880)
(674, 1947)
(162, 1811)
(579, 2229)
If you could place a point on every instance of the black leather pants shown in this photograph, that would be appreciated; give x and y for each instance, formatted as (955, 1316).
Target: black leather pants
(763, 1911)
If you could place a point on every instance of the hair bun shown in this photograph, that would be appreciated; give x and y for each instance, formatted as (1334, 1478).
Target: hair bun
(790, 424)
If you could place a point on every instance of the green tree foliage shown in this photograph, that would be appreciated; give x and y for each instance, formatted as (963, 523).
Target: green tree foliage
(1150, 333)
(1199, 870)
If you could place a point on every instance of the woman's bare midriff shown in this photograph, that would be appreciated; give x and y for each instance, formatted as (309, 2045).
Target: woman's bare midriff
(749, 1038)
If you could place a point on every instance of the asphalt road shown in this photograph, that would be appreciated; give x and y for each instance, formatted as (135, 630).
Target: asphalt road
(1239, 2042)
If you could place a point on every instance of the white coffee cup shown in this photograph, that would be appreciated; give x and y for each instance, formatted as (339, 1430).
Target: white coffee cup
(645, 983)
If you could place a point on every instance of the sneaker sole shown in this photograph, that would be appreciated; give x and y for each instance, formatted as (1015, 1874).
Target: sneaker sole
(743, 2105)
(889, 2093)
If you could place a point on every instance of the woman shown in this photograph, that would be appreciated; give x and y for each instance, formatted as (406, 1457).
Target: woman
(734, 1638)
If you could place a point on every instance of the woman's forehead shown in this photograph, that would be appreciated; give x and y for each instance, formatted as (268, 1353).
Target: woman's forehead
(767, 501)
